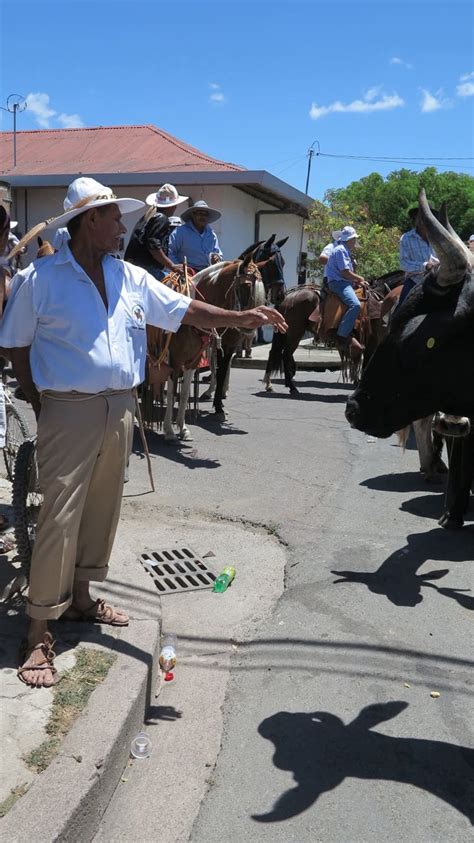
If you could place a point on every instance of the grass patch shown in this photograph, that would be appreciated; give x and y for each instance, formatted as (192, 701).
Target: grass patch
(9, 802)
(70, 698)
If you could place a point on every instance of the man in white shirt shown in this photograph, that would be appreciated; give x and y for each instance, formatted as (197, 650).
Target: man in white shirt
(75, 328)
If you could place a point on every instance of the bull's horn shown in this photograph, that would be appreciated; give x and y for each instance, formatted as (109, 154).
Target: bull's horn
(453, 255)
(443, 218)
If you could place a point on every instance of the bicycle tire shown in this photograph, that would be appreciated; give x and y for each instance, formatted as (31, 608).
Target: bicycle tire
(26, 501)
(16, 433)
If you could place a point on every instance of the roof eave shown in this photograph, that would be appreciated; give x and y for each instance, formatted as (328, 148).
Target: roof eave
(296, 201)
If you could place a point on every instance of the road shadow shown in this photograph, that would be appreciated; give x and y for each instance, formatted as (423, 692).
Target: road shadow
(397, 577)
(321, 752)
(180, 452)
(349, 387)
(303, 396)
(404, 481)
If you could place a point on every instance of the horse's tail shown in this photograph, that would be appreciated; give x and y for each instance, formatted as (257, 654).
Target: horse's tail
(275, 358)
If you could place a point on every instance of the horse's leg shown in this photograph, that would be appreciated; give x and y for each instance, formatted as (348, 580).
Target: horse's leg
(184, 433)
(289, 366)
(170, 435)
(461, 458)
(207, 395)
(223, 363)
(225, 389)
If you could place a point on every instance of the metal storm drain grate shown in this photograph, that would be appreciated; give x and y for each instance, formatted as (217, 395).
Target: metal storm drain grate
(177, 569)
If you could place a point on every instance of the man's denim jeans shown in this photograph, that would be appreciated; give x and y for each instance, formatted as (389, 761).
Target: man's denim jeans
(345, 291)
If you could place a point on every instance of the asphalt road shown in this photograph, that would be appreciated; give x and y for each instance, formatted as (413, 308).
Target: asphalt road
(330, 732)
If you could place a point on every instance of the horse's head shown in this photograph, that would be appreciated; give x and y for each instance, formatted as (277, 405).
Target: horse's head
(248, 284)
(270, 262)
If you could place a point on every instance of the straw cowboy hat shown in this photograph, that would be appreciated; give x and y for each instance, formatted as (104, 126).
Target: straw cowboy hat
(213, 215)
(82, 195)
(166, 197)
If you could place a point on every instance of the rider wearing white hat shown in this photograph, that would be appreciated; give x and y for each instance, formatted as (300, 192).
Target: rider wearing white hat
(341, 280)
(148, 246)
(195, 240)
(75, 328)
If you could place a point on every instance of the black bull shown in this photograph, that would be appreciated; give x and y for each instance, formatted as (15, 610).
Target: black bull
(425, 363)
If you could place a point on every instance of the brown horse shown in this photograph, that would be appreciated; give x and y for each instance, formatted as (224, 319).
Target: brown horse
(301, 303)
(232, 285)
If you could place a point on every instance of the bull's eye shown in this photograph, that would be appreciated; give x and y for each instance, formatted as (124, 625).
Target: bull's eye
(431, 342)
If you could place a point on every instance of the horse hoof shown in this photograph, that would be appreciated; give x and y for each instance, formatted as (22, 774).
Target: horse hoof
(294, 390)
(449, 523)
(220, 416)
(206, 396)
(185, 436)
(171, 439)
(269, 388)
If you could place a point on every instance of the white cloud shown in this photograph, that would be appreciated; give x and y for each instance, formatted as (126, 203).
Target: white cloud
(401, 63)
(364, 106)
(217, 95)
(39, 105)
(70, 121)
(433, 102)
(466, 88)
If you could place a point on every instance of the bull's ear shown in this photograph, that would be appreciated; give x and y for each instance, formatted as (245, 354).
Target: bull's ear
(281, 243)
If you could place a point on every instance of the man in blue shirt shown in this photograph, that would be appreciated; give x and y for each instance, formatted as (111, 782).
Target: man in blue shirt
(195, 240)
(416, 254)
(341, 280)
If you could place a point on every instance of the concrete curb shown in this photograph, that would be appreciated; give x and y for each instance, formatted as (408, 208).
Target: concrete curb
(67, 801)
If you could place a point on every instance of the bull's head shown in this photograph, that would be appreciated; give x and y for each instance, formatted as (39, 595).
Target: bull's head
(426, 362)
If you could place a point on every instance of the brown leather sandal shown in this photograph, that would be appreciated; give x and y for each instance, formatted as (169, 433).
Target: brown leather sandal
(46, 647)
(99, 612)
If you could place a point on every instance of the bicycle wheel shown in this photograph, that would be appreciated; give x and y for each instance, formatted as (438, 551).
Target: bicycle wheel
(26, 500)
(16, 433)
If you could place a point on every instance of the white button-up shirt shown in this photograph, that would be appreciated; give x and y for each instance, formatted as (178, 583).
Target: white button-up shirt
(76, 343)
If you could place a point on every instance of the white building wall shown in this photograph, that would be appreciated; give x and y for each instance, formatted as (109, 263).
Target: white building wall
(235, 228)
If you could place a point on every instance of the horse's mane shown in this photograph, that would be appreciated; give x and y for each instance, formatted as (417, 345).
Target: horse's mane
(210, 272)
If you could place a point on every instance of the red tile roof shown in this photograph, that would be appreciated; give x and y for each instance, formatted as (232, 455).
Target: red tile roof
(105, 149)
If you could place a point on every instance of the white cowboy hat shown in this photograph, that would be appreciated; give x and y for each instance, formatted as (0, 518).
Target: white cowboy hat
(201, 205)
(166, 197)
(348, 233)
(82, 195)
(85, 193)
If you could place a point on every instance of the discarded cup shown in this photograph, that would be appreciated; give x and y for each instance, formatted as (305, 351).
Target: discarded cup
(141, 746)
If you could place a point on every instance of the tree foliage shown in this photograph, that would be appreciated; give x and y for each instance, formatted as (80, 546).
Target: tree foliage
(378, 209)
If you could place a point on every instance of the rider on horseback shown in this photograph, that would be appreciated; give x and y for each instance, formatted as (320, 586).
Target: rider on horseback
(341, 280)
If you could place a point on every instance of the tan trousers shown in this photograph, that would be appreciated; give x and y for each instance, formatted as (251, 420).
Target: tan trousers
(83, 445)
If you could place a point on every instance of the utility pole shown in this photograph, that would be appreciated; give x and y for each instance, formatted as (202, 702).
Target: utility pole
(15, 103)
(310, 154)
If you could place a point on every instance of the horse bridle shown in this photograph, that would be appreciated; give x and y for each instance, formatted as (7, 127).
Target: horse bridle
(250, 277)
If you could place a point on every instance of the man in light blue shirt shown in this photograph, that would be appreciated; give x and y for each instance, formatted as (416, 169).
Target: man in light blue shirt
(341, 280)
(75, 330)
(195, 240)
(416, 254)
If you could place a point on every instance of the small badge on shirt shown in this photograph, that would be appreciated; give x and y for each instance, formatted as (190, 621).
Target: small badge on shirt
(138, 315)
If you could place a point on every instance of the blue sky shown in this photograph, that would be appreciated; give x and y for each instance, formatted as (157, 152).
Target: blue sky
(255, 82)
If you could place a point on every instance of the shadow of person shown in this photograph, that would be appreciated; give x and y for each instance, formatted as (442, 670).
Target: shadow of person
(321, 752)
(397, 576)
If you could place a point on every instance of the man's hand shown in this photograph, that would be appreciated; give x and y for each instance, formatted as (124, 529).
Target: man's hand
(176, 267)
(260, 316)
(214, 258)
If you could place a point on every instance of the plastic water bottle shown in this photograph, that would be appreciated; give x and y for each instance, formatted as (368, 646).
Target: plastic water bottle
(224, 579)
(141, 746)
(168, 653)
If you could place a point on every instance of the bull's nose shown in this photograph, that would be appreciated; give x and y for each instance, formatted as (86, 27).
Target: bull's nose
(352, 412)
